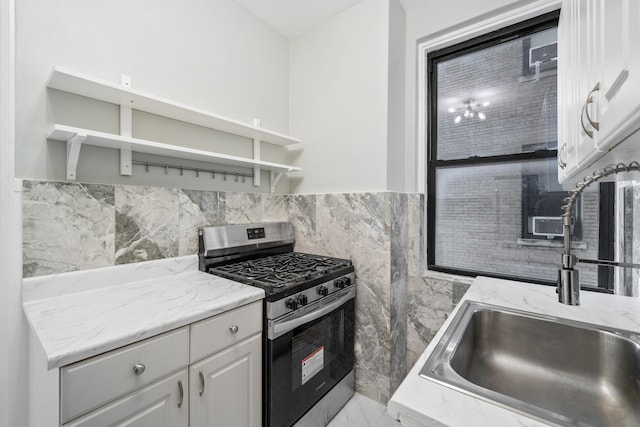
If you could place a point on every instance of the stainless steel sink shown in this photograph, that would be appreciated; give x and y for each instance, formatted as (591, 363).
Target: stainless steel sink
(555, 370)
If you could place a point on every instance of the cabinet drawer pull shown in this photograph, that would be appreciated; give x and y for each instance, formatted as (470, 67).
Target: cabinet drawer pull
(596, 88)
(201, 383)
(234, 329)
(138, 368)
(180, 394)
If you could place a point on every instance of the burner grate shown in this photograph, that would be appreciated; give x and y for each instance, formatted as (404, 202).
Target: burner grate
(280, 270)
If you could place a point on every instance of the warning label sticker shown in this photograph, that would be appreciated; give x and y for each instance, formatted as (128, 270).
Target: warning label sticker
(312, 364)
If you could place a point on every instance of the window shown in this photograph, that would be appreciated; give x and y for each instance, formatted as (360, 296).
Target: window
(493, 198)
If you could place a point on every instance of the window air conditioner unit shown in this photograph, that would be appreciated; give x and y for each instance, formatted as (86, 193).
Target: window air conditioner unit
(549, 226)
(545, 53)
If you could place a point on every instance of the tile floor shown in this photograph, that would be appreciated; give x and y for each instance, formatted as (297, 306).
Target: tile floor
(361, 411)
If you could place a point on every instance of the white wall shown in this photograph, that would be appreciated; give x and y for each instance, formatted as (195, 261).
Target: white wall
(396, 99)
(13, 328)
(339, 77)
(211, 54)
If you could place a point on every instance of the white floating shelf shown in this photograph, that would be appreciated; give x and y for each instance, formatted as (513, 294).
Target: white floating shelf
(75, 137)
(80, 84)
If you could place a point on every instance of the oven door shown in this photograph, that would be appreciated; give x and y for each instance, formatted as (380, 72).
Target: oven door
(307, 354)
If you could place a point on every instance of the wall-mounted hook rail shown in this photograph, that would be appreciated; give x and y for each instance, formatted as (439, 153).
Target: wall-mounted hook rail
(197, 171)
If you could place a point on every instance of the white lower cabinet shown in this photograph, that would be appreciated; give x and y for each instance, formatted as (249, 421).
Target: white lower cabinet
(162, 404)
(226, 388)
(206, 374)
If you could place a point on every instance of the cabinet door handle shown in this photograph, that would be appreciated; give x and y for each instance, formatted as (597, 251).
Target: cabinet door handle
(201, 382)
(138, 368)
(180, 394)
(561, 163)
(596, 88)
(584, 128)
(234, 329)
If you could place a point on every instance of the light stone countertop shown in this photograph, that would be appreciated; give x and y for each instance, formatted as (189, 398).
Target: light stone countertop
(74, 326)
(421, 402)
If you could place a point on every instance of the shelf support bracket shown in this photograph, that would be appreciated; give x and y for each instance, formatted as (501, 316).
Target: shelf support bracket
(256, 156)
(73, 153)
(275, 178)
(126, 129)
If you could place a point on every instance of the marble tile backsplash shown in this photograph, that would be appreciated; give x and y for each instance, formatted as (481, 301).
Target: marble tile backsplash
(74, 226)
(67, 227)
(70, 227)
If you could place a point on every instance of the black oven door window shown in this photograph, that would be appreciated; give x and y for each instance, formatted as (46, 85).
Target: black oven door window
(305, 363)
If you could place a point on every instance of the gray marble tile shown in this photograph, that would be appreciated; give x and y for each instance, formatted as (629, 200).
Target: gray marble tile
(398, 302)
(429, 303)
(302, 214)
(415, 221)
(370, 219)
(333, 217)
(209, 204)
(399, 242)
(197, 209)
(147, 223)
(398, 327)
(373, 340)
(67, 227)
(243, 208)
(358, 226)
(275, 207)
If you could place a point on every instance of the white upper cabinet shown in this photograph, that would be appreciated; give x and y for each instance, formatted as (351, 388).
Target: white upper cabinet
(599, 82)
(618, 65)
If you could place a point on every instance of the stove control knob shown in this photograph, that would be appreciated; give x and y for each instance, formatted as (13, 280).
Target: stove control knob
(291, 303)
(347, 281)
(339, 283)
(302, 300)
(323, 290)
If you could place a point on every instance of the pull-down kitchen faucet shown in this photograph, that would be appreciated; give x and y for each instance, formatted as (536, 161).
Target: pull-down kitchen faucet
(568, 282)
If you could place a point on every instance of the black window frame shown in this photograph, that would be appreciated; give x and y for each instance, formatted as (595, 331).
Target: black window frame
(521, 29)
(607, 191)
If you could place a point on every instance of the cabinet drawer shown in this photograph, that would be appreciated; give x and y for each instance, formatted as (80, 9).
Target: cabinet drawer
(211, 335)
(88, 384)
(165, 403)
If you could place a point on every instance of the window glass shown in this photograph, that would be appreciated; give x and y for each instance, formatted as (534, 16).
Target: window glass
(481, 226)
(490, 104)
(494, 204)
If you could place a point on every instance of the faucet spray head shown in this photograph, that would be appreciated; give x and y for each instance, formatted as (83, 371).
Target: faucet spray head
(568, 286)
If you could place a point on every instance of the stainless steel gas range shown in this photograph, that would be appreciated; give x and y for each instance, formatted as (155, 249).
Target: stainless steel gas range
(309, 313)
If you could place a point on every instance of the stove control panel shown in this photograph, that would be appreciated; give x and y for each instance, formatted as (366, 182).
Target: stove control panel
(308, 297)
(255, 233)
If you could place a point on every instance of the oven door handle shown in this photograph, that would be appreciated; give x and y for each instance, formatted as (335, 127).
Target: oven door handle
(285, 326)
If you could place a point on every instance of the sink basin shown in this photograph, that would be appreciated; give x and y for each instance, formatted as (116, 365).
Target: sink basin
(558, 371)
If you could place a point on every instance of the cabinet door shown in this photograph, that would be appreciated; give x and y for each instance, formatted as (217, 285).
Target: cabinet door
(226, 388)
(586, 76)
(162, 404)
(567, 127)
(618, 65)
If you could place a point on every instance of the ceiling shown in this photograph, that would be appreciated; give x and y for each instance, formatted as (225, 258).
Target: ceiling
(295, 17)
